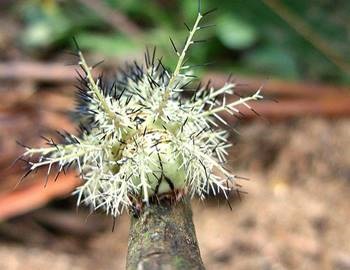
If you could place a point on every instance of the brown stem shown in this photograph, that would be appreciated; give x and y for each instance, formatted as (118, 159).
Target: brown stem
(163, 237)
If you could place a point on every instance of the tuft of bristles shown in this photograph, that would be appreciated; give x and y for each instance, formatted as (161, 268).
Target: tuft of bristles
(141, 138)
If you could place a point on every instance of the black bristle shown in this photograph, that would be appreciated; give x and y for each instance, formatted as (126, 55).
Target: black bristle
(186, 84)
(128, 101)
(76, 44)
(187, 27)
(201, 65)
(81, 78)
(204, 168)
(153, 81)
(57, 175)
(158, 183)
(23, 145)
(255, 112)
(229, 78)
(190, 76)
(206, 26)
(147, 58)
(170, 183)
(160, 160)
(242, 178)
(153, 55)
(229, 204)
(70, 64)
(25, 175)
(238, 192)
(71, 53)
(98, 63)
(113, 224)
(207, 86)
(200, 41)
(159, 63)
(174, 47)
(209, 12)
(184, 123)
(121, 93)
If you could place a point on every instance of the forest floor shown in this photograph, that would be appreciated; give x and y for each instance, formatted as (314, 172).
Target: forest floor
(295, 216)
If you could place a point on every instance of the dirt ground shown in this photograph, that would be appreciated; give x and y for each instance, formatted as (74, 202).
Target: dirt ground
(296, 214)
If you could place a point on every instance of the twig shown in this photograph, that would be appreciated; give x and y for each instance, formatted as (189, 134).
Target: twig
(163, 237)
(284, 109)
(53, 72)
(308, 33)
(35, 195)
(58, 73)
(278, 88)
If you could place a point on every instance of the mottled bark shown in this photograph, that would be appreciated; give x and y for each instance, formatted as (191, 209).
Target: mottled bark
(163, 237)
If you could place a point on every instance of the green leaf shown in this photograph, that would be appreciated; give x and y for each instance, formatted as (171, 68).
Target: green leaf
(112, 45)
(272, 60)
(235, 33)
(46, 31)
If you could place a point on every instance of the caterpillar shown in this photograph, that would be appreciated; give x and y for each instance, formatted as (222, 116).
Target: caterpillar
(141, 137)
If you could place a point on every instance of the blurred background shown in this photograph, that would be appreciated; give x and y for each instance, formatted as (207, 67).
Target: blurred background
(296, 152)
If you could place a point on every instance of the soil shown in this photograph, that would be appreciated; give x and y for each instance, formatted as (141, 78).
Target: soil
(295, 215)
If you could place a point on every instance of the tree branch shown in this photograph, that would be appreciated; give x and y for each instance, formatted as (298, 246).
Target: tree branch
(163, 237)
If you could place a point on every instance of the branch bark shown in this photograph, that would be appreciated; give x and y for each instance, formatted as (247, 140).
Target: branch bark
(163, 237)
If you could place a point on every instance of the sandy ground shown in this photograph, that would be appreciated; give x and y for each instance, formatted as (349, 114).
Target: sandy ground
(296, 214)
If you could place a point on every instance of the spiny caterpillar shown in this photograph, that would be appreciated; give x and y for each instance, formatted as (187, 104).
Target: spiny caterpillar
(140, 138)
